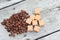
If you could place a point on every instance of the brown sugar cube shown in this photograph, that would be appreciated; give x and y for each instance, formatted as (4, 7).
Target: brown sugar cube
(36, 28)
(41, 23)
(37, 11)
(37, 17)
(30, 28)
(28, 21)
(32, 17)
(34, 22)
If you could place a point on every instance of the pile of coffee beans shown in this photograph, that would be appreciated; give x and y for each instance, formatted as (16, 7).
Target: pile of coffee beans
(16, 24)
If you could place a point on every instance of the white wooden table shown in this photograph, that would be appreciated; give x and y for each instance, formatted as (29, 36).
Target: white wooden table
(50, 14)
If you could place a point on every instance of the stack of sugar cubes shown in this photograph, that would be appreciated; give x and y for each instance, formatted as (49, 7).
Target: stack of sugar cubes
(35, 21)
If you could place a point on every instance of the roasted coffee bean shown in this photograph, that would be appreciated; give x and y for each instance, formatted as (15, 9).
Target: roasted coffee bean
(16, 24)
(12, 35)
(25, 35)
(2, 23)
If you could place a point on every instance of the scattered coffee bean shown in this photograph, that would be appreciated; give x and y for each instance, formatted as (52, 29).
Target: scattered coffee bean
(27, 39)
(25, 35)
